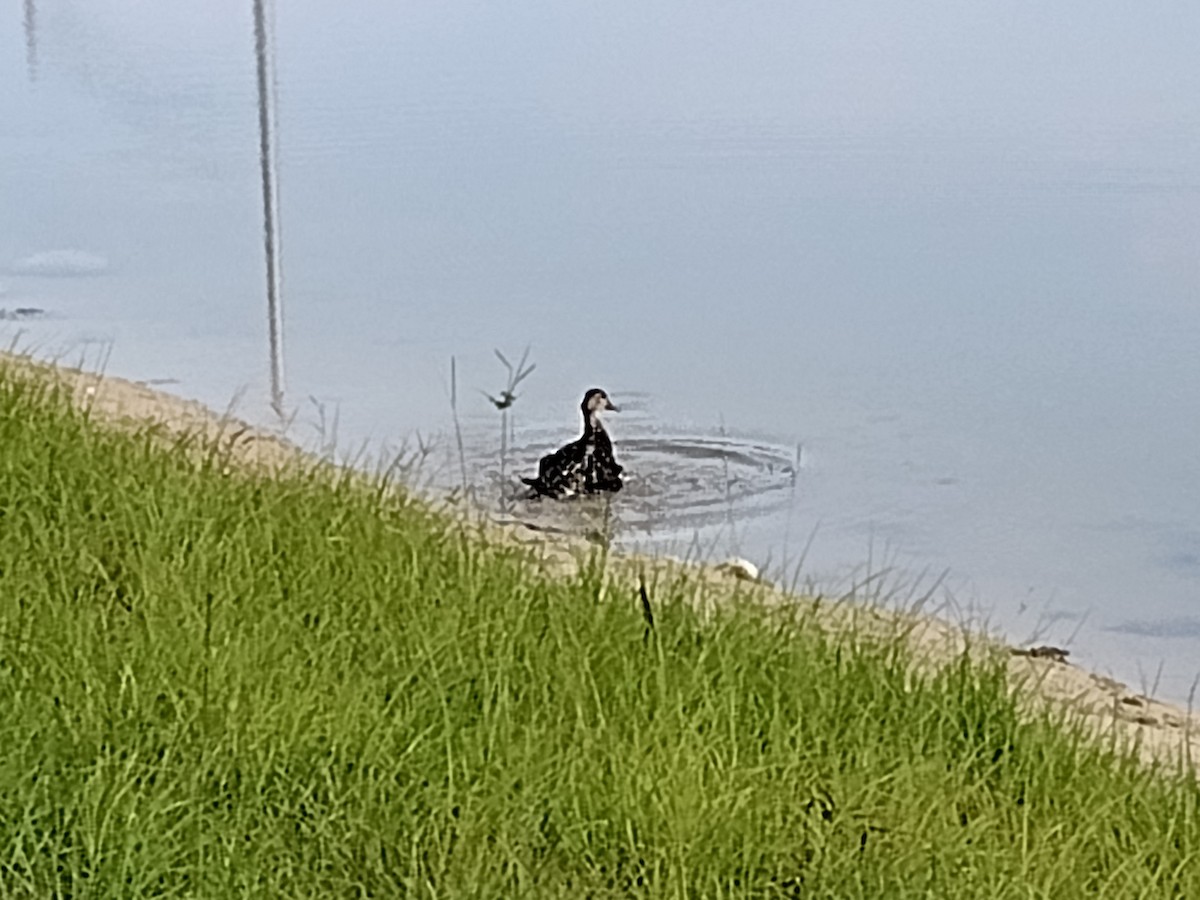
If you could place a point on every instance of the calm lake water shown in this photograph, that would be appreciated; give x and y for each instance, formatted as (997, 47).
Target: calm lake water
(954, 253)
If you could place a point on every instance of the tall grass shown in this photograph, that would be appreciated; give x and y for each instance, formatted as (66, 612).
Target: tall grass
(224, 685)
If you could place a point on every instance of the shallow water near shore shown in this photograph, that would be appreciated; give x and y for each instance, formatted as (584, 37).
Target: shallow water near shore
(964, 278)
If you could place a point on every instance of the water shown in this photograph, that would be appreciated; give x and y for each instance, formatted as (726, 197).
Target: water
(954, 253)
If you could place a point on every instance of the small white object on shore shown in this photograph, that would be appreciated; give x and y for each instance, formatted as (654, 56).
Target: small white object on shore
(739, 568)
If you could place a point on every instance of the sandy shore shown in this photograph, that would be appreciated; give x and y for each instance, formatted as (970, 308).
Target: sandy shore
(1152, 729)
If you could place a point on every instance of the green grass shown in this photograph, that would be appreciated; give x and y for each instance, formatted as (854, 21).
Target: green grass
(222, 685)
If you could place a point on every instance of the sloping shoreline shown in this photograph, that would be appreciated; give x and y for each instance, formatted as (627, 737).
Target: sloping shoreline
(1154, 730)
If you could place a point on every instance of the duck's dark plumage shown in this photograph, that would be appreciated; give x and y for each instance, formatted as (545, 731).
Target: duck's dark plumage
(585, 466)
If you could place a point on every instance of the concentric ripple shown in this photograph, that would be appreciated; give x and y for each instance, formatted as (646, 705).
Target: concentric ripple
(672, 482)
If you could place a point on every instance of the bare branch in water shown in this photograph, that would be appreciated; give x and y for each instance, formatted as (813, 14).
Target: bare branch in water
(503, 402)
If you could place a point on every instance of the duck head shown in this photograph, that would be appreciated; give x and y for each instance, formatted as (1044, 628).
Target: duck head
(594, 402)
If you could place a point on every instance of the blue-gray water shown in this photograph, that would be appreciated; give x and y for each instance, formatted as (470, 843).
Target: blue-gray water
(954, 251)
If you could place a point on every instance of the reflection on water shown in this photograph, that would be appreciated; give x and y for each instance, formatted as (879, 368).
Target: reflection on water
(962, 271)
(270, 201)
(30, 24)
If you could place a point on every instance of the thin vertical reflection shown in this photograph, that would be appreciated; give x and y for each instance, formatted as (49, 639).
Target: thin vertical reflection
(31, 60)
(270, 190)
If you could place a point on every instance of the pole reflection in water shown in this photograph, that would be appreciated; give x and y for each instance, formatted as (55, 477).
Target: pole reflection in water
(270, 191)
(30, 23)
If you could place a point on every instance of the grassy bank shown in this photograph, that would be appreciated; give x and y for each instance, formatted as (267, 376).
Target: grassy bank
(219, 684)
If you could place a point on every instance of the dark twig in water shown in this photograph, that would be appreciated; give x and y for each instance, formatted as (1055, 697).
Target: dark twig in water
(516, 374)
(507, 397)
(1054, 654)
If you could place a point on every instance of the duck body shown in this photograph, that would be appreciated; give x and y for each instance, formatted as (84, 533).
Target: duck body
(584, 466)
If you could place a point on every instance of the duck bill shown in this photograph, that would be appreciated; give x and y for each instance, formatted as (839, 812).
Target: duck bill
(608, 404)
